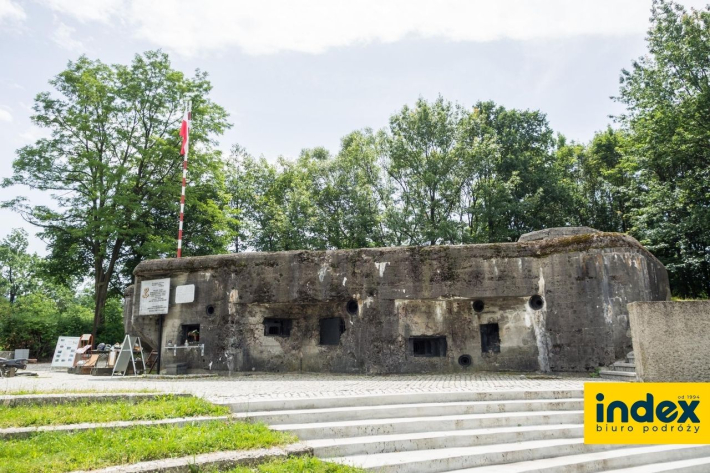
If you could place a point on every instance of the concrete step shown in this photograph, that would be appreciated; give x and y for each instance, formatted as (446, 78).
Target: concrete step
(409, 410)
(610, 460)
(359, 428)
(448, 459)
(24, 432)
(623, 366)
(373, 444)
(694, 465)
(618, 375)
(390, 399)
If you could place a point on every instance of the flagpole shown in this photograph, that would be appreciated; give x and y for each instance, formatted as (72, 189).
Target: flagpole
(185, 133)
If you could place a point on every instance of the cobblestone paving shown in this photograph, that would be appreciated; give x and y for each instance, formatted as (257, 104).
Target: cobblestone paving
(292, 385)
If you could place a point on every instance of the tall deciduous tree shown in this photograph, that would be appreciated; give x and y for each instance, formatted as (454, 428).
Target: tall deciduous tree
(426, 170)
(113, 166)
(606, 173)
(517, 183)
(667, 94)
(351, 198)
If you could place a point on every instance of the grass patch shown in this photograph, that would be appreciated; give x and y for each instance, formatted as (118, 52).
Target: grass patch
(161, 407)
(27, 392)
(297, 465)
(60, 452)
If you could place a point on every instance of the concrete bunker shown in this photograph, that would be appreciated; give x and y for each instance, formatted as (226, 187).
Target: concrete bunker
(554, 301)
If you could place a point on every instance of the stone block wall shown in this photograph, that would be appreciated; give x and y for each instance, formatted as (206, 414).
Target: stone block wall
(671, 340)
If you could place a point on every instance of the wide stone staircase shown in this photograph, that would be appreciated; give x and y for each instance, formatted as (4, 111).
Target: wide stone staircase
(478, 432)
(622, 370)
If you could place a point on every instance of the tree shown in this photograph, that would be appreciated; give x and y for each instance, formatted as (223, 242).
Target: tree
(438, 174)
(17, 267)
(607, 181)
(351, 196)
(112, 162)
(515, 181)
(240, 186)
(667, 95)
(426, 170)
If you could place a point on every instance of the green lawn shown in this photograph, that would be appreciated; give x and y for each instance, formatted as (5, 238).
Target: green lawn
(162, 407)
(297, 465)
(24, 392)
(61, 452)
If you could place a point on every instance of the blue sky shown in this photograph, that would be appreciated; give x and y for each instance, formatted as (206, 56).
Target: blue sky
(296, 74)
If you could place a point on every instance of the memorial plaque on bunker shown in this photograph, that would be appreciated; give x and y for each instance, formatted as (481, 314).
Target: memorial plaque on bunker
(154, 297)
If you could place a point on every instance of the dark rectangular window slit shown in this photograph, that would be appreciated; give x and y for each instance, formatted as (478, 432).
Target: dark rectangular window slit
(277, 327)
(490, 338)
(330, 330)
(428, 346)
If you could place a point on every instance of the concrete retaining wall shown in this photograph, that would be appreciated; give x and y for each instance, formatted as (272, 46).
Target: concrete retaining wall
(671, 340)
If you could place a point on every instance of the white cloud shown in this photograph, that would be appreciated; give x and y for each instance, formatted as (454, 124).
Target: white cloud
(11, 12)
(314, 26)
(31, 135)
(5, 115)
(87, 10)
(63, 36)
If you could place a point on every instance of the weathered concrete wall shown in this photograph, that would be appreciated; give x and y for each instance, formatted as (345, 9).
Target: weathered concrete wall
(585, 281)
(558, 232)
(671, 340)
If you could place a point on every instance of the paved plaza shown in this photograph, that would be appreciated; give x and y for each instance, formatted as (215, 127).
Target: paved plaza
(245, 386)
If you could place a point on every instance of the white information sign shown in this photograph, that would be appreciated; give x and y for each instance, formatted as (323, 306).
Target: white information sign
(65, 352)
(154, 297)
(185, 294)
(130, 347)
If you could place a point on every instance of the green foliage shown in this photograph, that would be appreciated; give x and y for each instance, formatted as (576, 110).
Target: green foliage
(36, 320)
(18, 269)
(7, 389)
(297, 465)
(426, 167)
(162, 407)
(606, 186)
(440, 173)
(354, 202)
(517, 182)
(99, 448)
(112, 163)
(112, 329)
(667, 94)
(437, 174)
(315, 202)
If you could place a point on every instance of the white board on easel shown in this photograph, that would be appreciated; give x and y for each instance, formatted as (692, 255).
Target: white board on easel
(126, 356)
(65, 352)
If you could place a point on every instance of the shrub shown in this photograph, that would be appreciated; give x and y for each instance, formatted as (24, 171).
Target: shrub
(36, 320)
(31, 322)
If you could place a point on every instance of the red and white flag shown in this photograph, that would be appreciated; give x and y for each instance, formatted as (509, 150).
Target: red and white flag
(185, 132)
